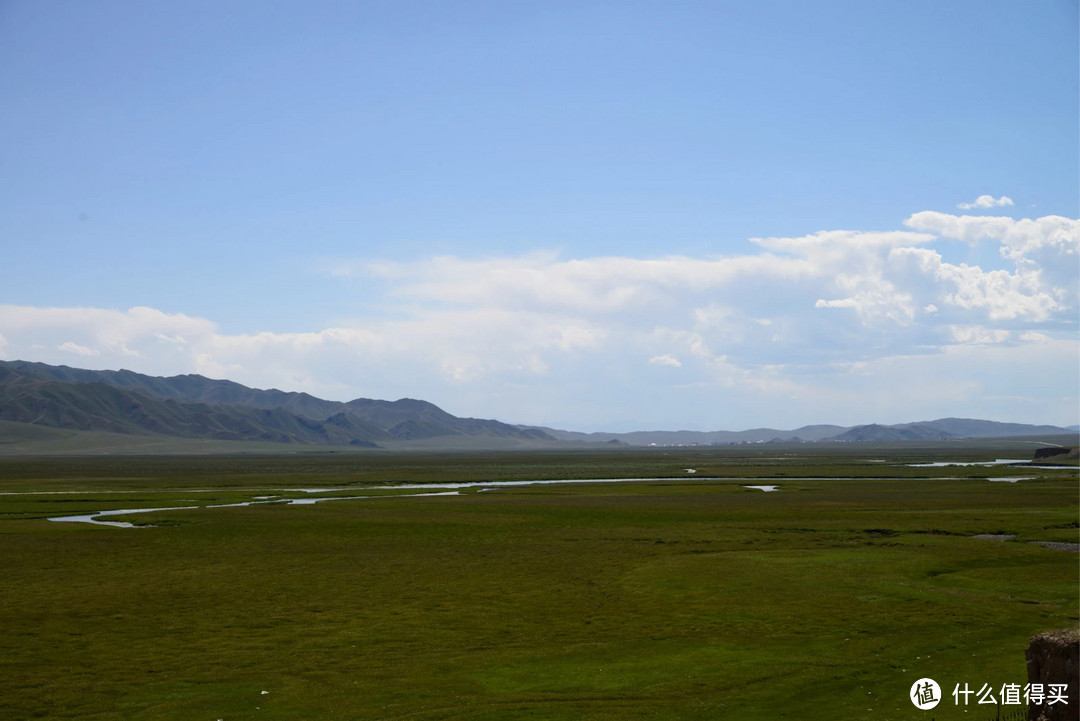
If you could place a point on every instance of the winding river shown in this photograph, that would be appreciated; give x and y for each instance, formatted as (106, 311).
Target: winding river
(432, 489)
(424, 490)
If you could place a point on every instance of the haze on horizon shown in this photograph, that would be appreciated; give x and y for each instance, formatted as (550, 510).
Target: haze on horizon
(589, 216)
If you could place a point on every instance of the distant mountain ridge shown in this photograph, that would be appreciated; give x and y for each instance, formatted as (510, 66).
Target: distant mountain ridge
(670, 438)
(193, 406)
(938, 430)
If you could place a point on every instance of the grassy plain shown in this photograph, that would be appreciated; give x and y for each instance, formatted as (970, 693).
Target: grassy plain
(684, 599)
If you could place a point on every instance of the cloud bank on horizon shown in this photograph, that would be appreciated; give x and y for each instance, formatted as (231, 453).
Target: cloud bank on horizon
(837, 326)
(594, 216)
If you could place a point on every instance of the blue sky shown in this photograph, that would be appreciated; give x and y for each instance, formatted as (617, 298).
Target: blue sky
(591, 215)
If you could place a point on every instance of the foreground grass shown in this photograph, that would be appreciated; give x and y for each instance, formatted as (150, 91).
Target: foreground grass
(678, 600)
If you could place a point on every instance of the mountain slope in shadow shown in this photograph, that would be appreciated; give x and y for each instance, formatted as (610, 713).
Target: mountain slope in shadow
(192, 406)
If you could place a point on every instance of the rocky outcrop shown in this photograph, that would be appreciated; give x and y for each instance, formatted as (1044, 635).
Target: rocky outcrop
(1055, 455)
(1054, 658)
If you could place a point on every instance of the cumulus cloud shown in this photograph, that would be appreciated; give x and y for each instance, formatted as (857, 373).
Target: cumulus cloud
(1020, 239)
(1003, 295)
(877, 300)
(788, 324)
(773, 323)
(1043, 252)
(99, 332)
(986, 201)
(375, 356)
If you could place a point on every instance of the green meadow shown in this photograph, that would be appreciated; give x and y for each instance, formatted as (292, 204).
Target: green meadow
(689, 598)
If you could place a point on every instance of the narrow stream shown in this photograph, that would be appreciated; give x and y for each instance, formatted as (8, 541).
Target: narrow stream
(96, 516)
(434, 489)
(93, 517)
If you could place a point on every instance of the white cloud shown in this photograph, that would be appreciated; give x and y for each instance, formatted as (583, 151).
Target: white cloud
(880, 301)
(1043, 251)
(590, 285)
(1001, 294)
(122, 336)
(77, 349)
(978, 335)
(666, 360)
(780, 329)
(852, 265)
(986, 201)
(842, 246)
(1018, 238)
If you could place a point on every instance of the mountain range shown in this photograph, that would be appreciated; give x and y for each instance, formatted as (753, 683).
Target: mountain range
(192, 406)
(196, 407)
(942, 429)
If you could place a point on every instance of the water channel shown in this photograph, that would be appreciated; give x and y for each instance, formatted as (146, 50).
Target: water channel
(432, 489)
(428, 489)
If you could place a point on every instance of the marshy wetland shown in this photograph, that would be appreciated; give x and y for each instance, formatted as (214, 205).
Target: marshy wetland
(459, 586)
